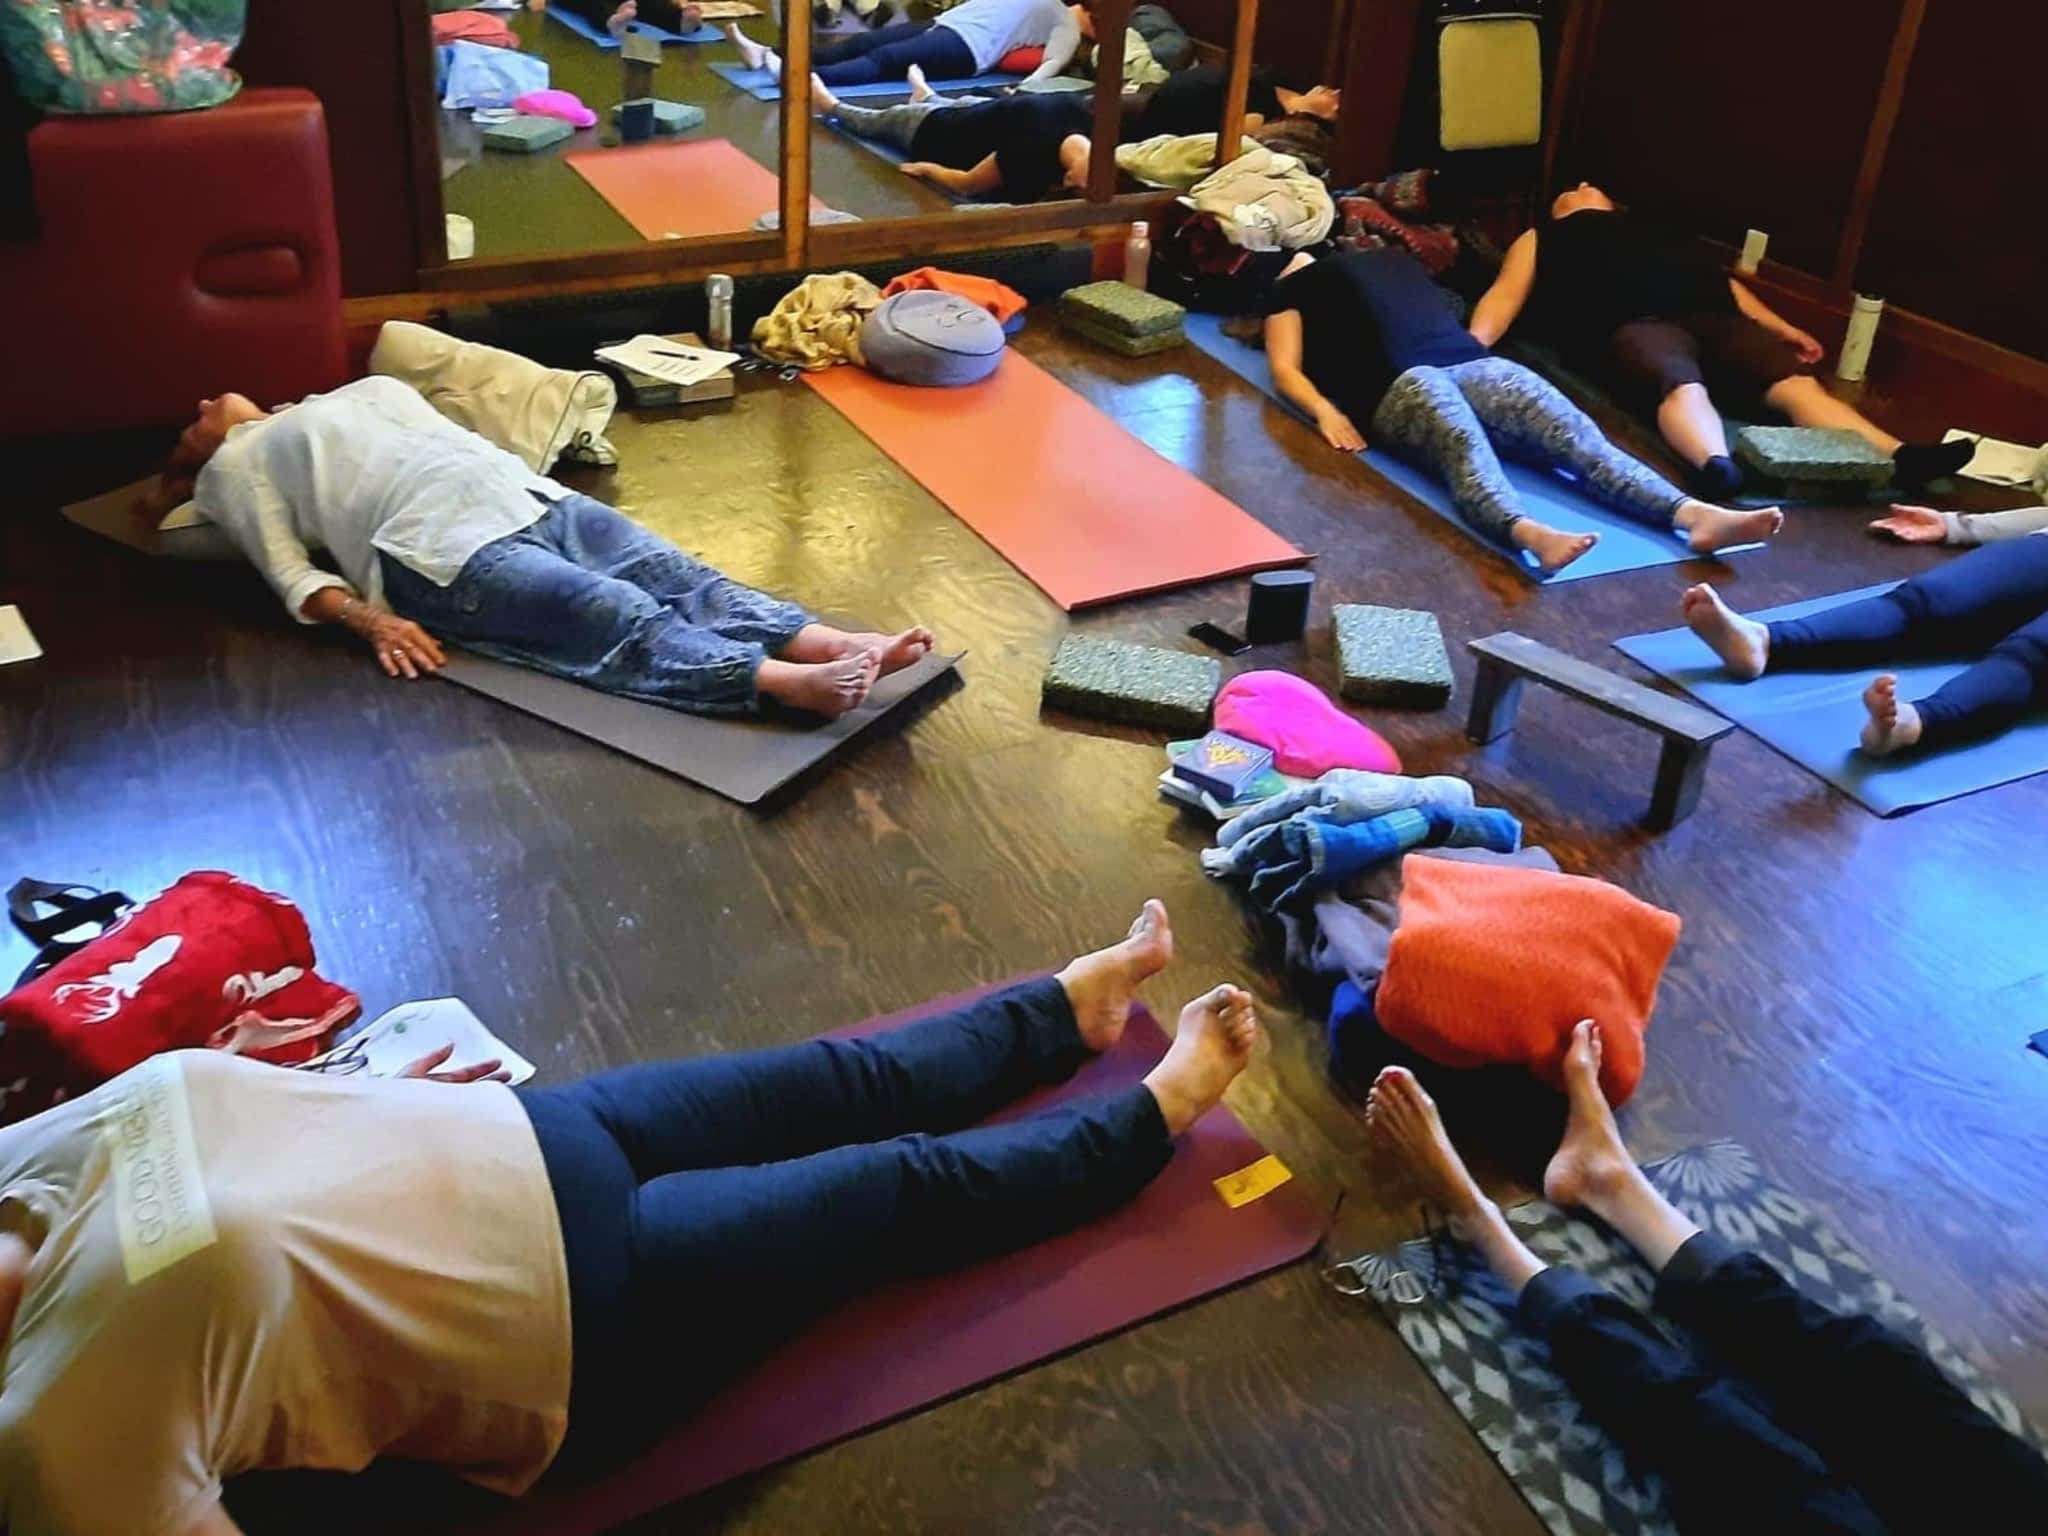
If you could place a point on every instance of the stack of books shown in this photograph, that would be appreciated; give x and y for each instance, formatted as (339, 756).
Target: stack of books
(1220, 775)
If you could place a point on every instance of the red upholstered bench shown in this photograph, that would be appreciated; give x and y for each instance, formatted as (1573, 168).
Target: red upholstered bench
(180, 256)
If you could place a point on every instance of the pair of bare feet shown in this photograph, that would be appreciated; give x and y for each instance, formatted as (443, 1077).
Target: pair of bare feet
(690, 18)
(825, 104)
(1708, 529)
(829, 671)
(1216, 1033)
(752, 54)
(1591, 1169)
(1744, 647)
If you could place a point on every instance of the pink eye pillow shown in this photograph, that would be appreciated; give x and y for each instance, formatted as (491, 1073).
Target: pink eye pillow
(562, 104)
(1308, 733)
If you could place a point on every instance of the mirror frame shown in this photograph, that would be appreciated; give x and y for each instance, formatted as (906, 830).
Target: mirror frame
(798, 245)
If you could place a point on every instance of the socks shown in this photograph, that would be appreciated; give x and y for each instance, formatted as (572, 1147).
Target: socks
(1717, 479)
(1917, 463)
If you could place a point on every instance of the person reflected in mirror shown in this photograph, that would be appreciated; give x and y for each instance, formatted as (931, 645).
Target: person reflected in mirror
(1012, 149)
(969, 40)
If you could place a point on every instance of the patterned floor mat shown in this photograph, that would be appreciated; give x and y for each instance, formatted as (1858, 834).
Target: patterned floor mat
(1459, 1323)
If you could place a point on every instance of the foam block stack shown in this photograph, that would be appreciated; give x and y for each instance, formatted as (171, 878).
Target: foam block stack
(1391, 656)
(1133, 684)
(1830, 456)
(1122, 318)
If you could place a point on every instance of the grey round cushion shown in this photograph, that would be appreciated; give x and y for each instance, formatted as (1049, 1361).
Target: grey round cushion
(931, 338)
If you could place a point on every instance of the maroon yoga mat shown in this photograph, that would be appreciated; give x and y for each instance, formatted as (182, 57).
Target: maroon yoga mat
(908, 1346)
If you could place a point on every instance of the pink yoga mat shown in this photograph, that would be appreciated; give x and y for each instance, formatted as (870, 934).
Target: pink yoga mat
(908, 1346)
(1076, 503)
(677, 190)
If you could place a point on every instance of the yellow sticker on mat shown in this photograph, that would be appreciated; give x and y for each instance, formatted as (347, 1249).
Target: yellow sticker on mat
(1252, 1181)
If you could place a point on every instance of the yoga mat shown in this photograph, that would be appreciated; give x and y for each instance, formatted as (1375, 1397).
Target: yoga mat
(762, 86)
(676, 190)
(1076, 503)
(1814, 717)
(743, 759)
(1465, 1335)
(913, 1344)
(1624, 545)
(590, 31)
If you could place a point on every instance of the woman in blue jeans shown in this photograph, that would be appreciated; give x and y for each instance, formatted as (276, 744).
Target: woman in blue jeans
(436, 531)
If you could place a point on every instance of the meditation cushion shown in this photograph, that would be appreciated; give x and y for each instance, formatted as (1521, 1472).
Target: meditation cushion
(1493, 966)
(1309, 735)
(1819, 455)
(1021, 61)
(932, 338)
(1118, 307)
(1391, 656)
(524, 135)
(1133, 684)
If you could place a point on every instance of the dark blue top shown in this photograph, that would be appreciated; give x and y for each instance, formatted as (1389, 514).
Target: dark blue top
(1367, 317)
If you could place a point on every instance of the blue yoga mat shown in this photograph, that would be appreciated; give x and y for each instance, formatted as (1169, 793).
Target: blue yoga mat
(1814, 717)
(762, 86)
(591, 32)
(1625, 545)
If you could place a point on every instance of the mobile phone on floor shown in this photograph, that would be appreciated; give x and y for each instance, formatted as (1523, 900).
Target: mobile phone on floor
(1217, 638)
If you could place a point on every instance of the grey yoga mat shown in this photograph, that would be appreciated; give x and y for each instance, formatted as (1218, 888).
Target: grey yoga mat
(743, 759)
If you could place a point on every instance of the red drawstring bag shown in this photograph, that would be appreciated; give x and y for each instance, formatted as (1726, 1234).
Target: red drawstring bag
(212, 962)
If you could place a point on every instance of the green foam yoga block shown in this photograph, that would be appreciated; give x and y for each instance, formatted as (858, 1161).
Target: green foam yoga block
(670, 117)
(1133, 684)
(1829, 455)
(525, 134)
(1116, 341)
(1391, 656)
(1121, 308)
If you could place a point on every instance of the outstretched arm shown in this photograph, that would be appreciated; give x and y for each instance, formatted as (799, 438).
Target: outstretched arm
(403, 648)
(1060, 49)
(1283, 356)
(1756, 309)
(985, 177)
(1503, 302)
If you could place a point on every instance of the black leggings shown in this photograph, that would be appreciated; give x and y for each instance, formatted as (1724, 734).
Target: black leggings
(711, 1208)
(888, 52)
(665, 14)
(1806, 1421)
(1991, 603)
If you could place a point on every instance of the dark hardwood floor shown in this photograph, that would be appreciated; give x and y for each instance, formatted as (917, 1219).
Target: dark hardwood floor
(1851, 996)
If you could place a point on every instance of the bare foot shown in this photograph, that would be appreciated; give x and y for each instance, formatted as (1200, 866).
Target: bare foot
(1101, 987)
(892, 653)
(920, 88)
(1893, 725)
(1709, 528)
(823, 687)
(1553, 550)
(1590, 1162)
(623, 17)
(1743, 645)
(1210, 1048)
(823, 102)
(690, 18)
(1405, 1120)
(752, 54)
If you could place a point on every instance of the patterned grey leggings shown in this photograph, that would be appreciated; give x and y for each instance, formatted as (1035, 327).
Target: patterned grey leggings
(1462, 420)
(897, 126)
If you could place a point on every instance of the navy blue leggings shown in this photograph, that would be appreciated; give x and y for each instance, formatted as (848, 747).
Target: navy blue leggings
(1991, 603)
(712, 1207)
(888, 52)
(1795, 1418)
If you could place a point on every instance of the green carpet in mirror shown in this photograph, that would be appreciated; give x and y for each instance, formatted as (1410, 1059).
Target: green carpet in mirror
(1133, 684)
(1121, 308)
(1116, 341)
(1815, 455)
(526, 133)
(1391, 656)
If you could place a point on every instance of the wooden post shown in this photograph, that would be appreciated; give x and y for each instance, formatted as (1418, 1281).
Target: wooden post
(1891, 94)
(796, 136)
(1375, 88)
(1574, 53)
(1112, 17)
(1231, 129)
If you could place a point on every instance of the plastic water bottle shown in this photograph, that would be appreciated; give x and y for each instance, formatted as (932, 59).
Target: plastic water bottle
(718, 304)
(1137, 254)
(1863, 318)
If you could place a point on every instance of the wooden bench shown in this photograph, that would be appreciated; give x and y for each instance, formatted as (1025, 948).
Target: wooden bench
(1508, 660)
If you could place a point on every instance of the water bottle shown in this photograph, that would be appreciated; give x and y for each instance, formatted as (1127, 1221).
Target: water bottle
(1137, 254)
(718, 302)
(1863, 318)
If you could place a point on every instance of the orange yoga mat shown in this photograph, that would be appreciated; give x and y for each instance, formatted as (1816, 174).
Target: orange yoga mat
(675, 191)
(1066, 495)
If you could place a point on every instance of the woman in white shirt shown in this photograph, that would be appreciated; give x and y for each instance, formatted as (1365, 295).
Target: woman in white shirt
(437, 531)
(971, 39)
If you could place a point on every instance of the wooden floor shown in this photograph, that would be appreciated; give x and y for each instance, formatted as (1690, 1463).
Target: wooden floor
(535, 205)
(1850, 997)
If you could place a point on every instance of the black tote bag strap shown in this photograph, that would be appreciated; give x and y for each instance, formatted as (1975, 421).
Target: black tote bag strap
(70, 907)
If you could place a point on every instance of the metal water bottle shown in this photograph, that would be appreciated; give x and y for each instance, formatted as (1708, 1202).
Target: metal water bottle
(718, 302)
